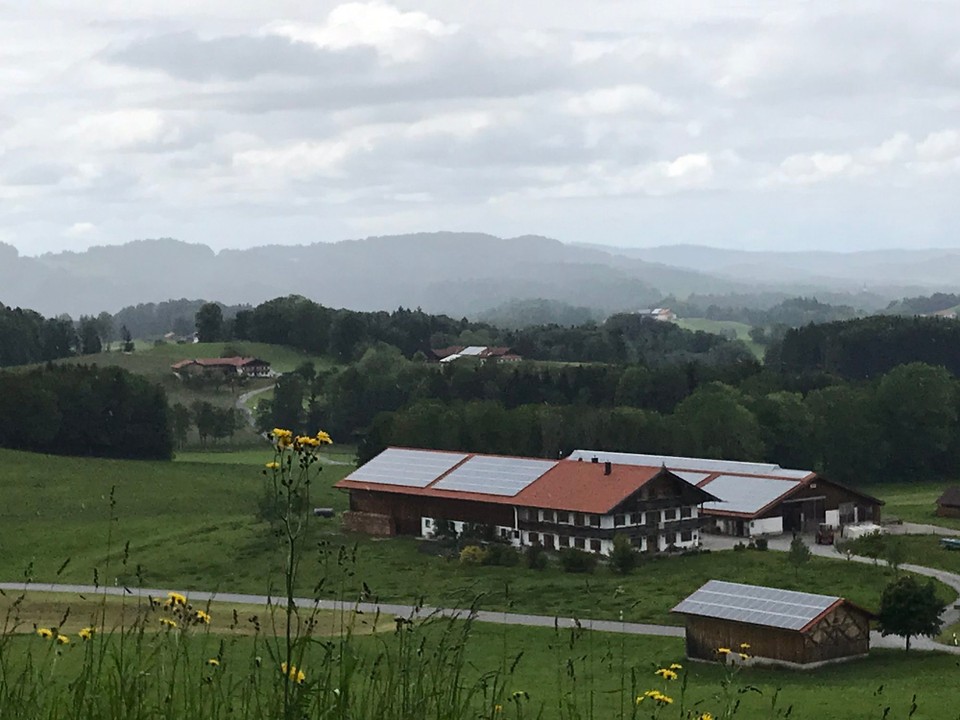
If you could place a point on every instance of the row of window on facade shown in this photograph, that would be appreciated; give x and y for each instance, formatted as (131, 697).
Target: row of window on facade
(649, 517)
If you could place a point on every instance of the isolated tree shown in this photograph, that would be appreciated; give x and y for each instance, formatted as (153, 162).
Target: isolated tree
(126, 339)
(909, 608)
(624, 557)
(181, 421)
(799, 555)
(89, 332)
(209, 322)
(105, 327)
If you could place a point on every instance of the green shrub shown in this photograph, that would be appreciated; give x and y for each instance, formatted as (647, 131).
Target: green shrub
(501, 554)
(762, 544)
(536, 557)
(739, 546)
(473, 555)
(624, 557)
(573, 560)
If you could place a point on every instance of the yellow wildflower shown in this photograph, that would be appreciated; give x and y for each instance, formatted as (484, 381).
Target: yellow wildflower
(744, 646)
(272, 466)
(45, 633)
(744, 656)
(723, 651)
(295, 674)
(168, 622)
(666, 674)
(656, 696)
(497, 709)
(86, 633)
(324, 438)
(63, 640)
(213, 662)
(705, 716)
(676, 666)
(176, 599)
(282, 438)
(203, 617)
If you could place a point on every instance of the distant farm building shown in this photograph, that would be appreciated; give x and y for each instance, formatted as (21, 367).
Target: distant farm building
(481, 353)
(948, 504)
(229, 366)
(526, 501)
(660, 314)
(771, 626)
(759, 498)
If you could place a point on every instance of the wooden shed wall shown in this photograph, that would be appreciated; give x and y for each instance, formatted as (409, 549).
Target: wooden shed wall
(844, 632)
(833, 496)
(408, 509)
(950, 511)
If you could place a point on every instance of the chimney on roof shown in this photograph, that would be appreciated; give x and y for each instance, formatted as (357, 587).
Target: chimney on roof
(607, 468)
(594, 459)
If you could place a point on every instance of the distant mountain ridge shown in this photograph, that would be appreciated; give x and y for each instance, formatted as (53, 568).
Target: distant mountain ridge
(451, 272)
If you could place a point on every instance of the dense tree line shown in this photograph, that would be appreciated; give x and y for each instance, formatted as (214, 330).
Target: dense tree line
(923, 305)
(27, 337)
(84, 410)
(902, 427)
(154, 320)
(868, 347)
(792, 312)
(345, 335)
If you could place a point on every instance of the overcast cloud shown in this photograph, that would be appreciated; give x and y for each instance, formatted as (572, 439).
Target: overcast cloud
(824, 124)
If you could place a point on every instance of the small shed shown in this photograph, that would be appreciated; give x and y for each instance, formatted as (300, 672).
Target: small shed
(781, 627)
(948, 504)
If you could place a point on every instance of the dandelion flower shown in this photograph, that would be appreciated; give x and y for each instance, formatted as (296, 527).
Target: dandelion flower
(324, 438)
(272, 466)
(705, 716)
(294, 673)
(203, 617)
(744, 646)
(213, 662)
(86, 633)
(45, 633)
(176, 599)
(723, 651)
(666, 674)
(168, 622)
(676, 666)
(744, 656)
(63, 640)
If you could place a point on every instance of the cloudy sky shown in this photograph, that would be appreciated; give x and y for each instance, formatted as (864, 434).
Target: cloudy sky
(752, 124)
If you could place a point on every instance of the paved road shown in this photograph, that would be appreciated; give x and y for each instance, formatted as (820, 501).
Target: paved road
(242, 403)
(408, 611)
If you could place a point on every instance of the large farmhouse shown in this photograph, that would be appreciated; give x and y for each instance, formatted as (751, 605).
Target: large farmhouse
(555, 504)
(772, 626)
(480, 353)
(758, 498)
(243, 366)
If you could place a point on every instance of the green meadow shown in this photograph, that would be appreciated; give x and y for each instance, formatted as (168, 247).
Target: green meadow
(192, 524)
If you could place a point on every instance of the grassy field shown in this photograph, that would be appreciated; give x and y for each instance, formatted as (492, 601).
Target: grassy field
(721, 327)
(573, 674)
(917, 549)
(914, 502)
(192, 524)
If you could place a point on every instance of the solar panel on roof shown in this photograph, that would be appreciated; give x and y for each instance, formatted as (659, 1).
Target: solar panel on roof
(747, 495)
(755, 605)
(683, 463)
(411, 468)
(495, 475)
(693, 478)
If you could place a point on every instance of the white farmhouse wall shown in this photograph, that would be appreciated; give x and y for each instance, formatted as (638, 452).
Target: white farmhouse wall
(767, 526)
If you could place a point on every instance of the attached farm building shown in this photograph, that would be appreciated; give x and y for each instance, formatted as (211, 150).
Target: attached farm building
(527, 501)
(948, 504)
(480, 353)
(780, 627)
(758, 498)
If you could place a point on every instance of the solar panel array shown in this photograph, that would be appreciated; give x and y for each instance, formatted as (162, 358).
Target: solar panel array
(495, 475)
(694, 478)
(678, 463)
(745, 494)
(410, 468)
(756, 605)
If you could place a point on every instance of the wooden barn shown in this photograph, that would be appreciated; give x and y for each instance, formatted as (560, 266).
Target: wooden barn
(948, 504)
(775, 627)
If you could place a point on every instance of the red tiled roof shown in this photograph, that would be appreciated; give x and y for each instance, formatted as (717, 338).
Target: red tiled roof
(583, 487)
(571, 486)
(236, 362)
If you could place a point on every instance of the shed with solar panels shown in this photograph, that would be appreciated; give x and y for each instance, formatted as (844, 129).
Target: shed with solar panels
(754, 624)
(526, 501)
(755, 499)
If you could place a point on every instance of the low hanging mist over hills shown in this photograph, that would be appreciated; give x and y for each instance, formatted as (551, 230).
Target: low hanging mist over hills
(458, 274)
